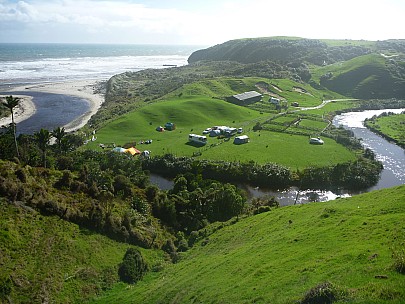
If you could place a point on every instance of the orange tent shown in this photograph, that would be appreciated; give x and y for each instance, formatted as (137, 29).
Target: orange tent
(132, 151)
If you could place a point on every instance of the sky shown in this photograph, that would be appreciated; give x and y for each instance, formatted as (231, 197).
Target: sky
(195, 22)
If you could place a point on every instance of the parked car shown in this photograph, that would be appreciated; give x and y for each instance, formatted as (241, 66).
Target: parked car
(316, 141)
(208, 130)
(240, 130)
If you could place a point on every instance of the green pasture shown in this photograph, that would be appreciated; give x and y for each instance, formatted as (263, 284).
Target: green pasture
(278, 256)
(392, 126)
(314, 124)
(347, 42)
(194, 114)
(190, 114)
(371, 61)
(285, 119)
(293, 151)
(223, 87)
(333, 107)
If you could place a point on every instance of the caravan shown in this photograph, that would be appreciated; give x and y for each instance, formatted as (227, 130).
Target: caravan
(198, 139)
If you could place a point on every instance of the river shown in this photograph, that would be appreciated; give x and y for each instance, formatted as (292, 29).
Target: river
(391, 155)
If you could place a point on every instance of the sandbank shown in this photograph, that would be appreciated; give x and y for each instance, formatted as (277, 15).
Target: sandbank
(22, 111)
(89, 90)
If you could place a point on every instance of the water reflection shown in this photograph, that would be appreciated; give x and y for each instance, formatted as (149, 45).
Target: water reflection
(391, 155)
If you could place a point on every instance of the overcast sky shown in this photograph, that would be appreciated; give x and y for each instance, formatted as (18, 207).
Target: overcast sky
(196, 22)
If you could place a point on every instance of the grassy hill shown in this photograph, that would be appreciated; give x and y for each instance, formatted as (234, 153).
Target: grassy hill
(369, 76)
(285, 49)
(47, 260)
(360, 69)
(348, 246)
(197, 106)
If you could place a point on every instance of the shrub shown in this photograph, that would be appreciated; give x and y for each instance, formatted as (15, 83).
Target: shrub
(399, 261)
(6, 286)
(133, 266)
(323, 293)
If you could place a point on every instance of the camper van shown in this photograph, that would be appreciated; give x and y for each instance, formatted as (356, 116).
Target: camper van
(199, 139)
(243, 139)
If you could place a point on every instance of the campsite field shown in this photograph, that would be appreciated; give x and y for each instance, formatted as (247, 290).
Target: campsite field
(193, 114)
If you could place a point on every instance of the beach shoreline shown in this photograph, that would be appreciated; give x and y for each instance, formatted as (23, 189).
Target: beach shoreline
(24, 110)
(88, 90)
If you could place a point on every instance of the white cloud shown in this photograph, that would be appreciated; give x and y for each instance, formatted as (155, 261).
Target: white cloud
(204, 22)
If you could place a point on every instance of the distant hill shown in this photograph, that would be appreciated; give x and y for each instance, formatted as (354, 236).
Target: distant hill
(285, 49)
(361, 69)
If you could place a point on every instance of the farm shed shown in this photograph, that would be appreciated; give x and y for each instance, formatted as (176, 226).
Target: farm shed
(246, 97)
(243, 139)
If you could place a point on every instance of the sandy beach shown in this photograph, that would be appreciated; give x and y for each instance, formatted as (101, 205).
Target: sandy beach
(24, 110)
(88, 90)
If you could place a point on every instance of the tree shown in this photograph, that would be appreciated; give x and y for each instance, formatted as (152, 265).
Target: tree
(59, 133)
(133, 266)
(42, 138)
(11, 102)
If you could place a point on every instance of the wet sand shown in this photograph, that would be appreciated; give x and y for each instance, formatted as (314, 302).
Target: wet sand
(88, 90)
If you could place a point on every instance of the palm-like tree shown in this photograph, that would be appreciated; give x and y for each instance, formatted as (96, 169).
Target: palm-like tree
(59, 133)
(42, 138)
(11, 102)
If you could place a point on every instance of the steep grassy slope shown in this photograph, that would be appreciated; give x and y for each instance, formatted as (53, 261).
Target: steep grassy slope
(370, 76)
(47, 260)
(278, 256)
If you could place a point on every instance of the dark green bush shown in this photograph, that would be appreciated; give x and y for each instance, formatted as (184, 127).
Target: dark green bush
(6, 286)
(133, 266)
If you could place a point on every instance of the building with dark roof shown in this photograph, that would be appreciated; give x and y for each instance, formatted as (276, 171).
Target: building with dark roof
(246, 97)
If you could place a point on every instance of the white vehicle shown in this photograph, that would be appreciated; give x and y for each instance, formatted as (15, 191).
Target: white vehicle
(240, 130)
(316, 141)
(208, 130)
(199, 139)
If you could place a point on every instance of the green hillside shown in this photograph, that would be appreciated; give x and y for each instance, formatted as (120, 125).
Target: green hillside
(352, 247)
(369, 76)
(285, 49)
(48, 260)
(360, 69)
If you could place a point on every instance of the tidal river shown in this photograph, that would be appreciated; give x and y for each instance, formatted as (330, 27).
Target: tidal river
(391, 155)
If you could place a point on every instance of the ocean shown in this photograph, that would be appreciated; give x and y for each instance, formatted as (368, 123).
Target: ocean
(22, 63)
(30, 64)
